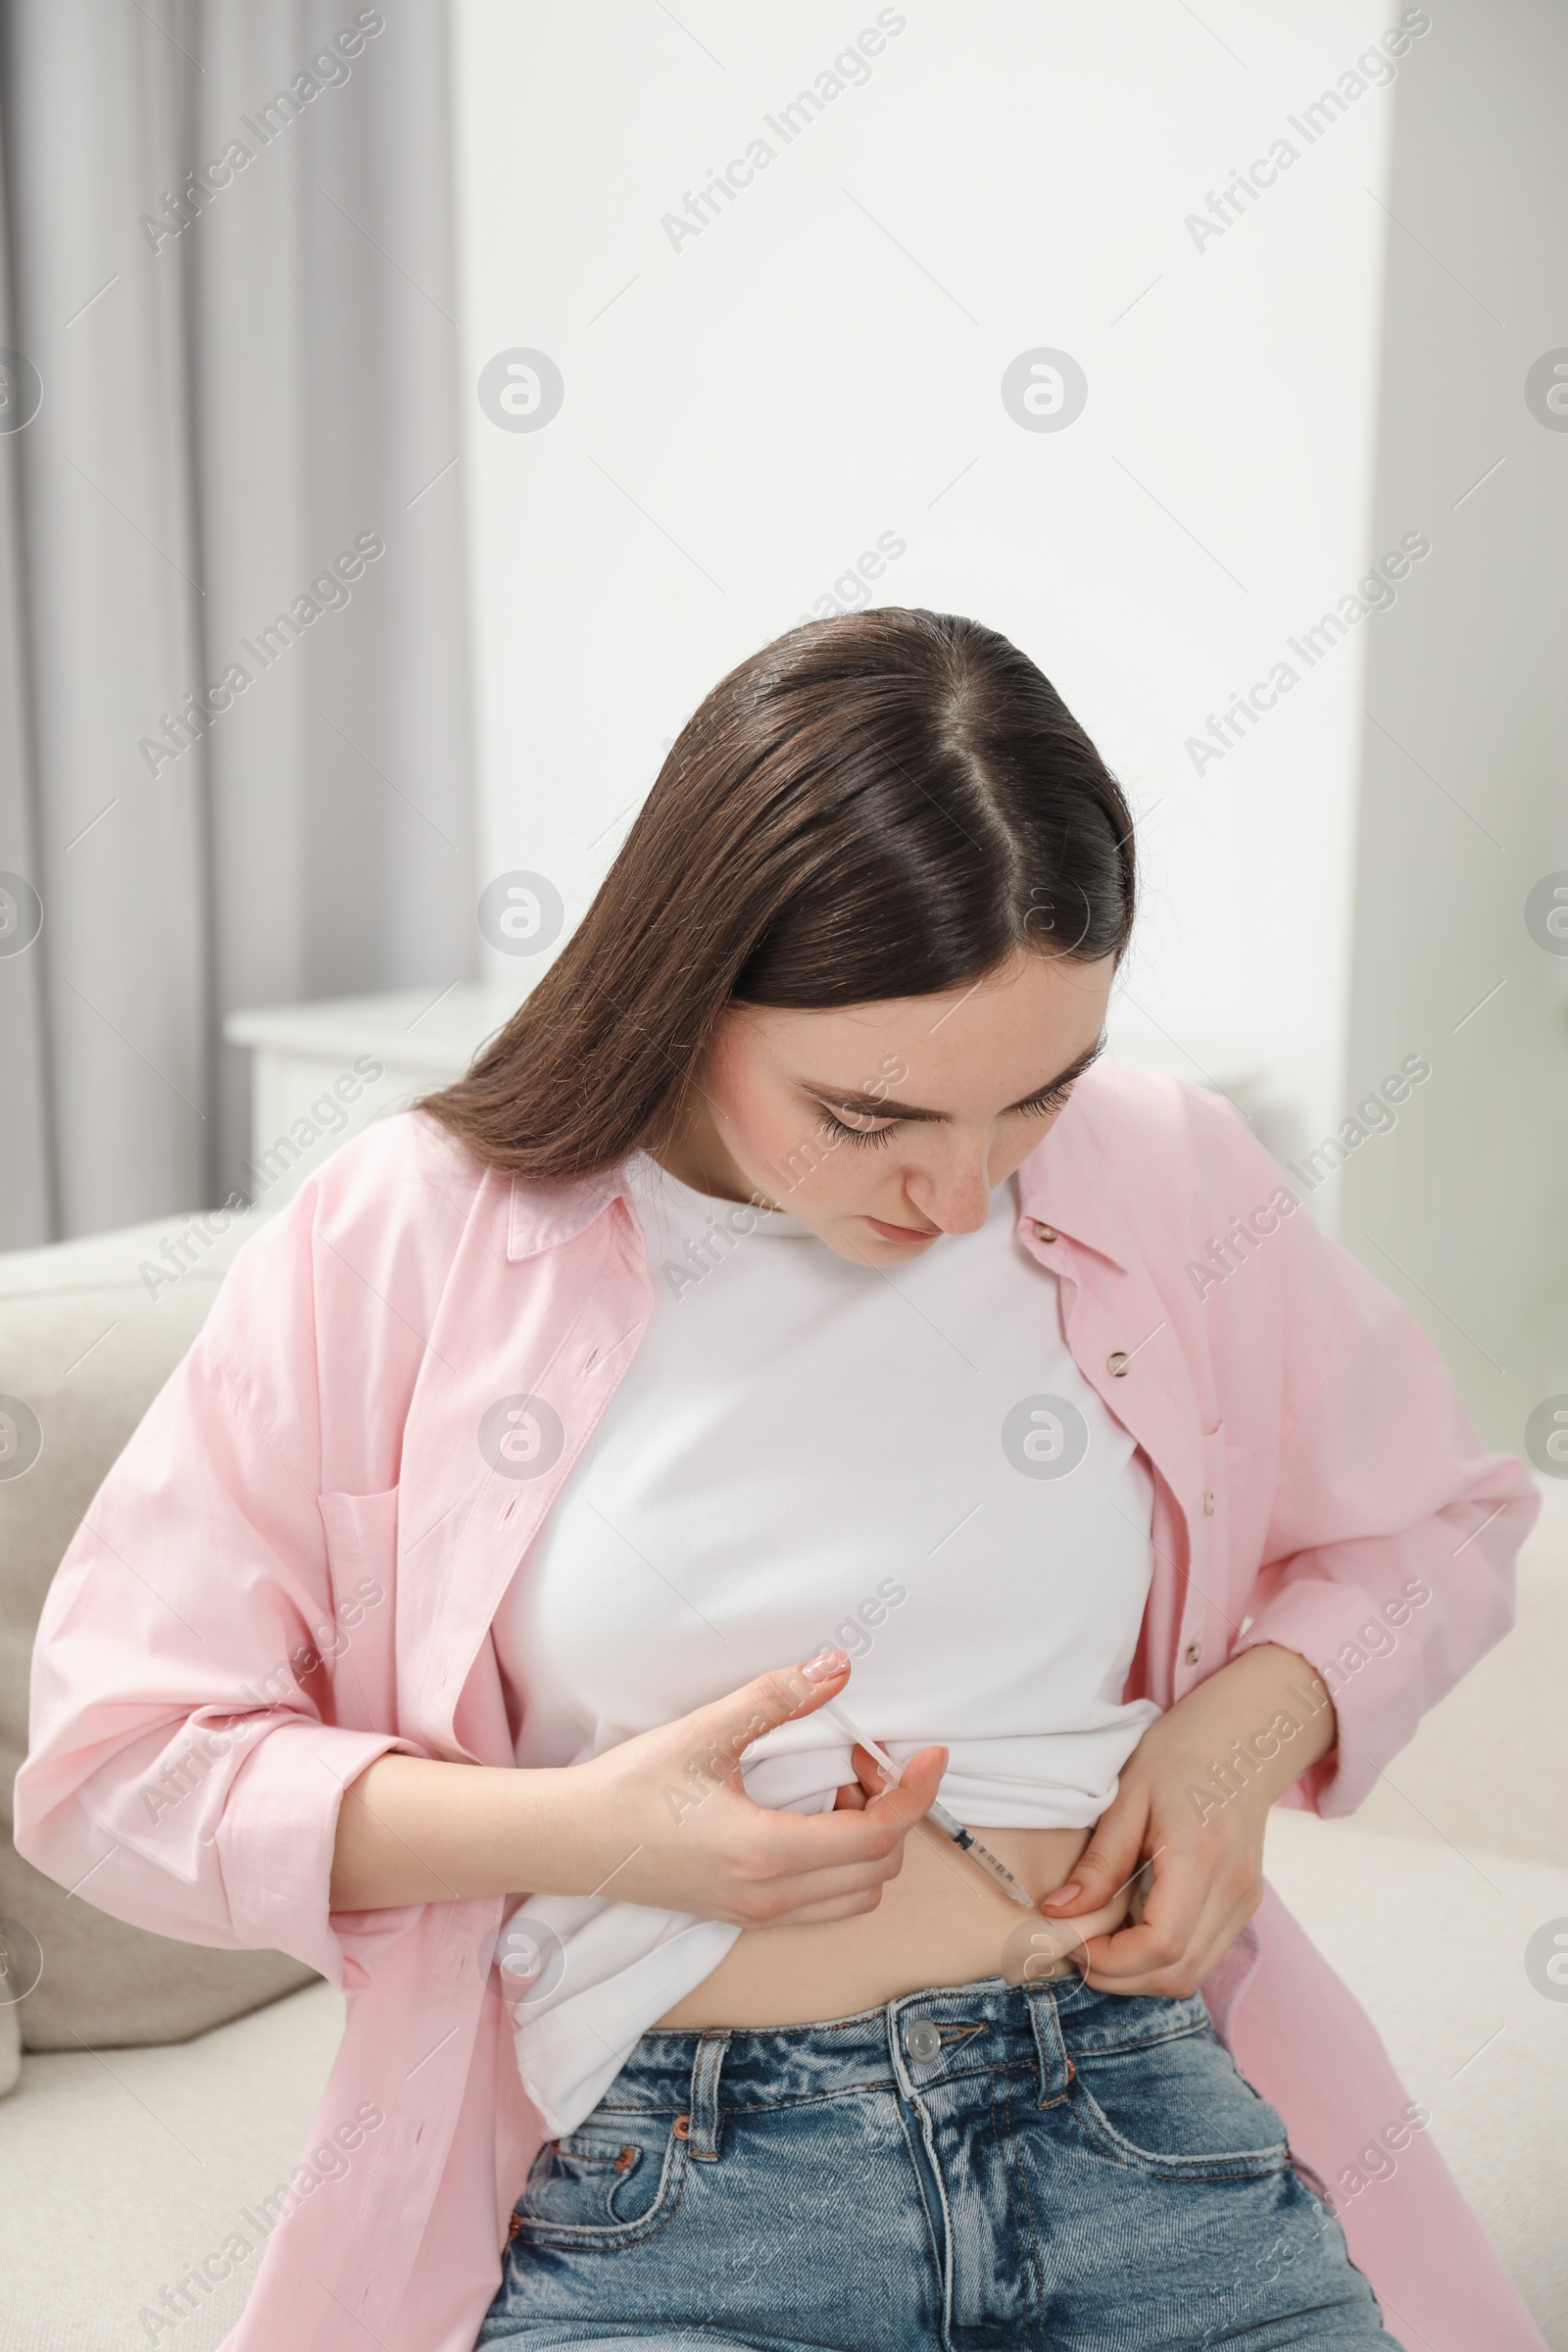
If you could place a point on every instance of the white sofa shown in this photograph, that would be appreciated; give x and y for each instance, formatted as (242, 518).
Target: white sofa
(126, 2160)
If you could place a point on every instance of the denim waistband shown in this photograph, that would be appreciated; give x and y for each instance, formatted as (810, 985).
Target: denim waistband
(913, 2041)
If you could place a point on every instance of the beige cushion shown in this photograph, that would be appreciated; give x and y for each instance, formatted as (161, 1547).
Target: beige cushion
(86, 1341)
(122, 2174)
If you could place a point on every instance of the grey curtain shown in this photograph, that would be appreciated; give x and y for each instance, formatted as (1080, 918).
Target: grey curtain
(233, 720)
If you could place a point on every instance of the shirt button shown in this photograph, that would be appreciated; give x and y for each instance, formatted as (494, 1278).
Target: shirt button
(1045, 1233)
(1209, 1504)
(924, 2040)
(1193, 1652)
(1117, 1364)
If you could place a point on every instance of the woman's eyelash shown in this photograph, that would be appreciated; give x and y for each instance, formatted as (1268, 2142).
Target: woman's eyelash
(839, 1130)
(1051, 1102)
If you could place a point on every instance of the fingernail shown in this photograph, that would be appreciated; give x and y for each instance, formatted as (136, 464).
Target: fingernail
(824, 1668)
(1065, 1895)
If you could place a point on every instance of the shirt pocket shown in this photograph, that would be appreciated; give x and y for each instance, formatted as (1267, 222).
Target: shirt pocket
(361, 1556)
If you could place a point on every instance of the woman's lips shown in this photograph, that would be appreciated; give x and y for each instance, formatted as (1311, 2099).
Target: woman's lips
(904, 1233)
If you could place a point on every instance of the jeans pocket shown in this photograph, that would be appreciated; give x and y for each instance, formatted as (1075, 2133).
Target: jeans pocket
(612, 2185)
(1174, 2107)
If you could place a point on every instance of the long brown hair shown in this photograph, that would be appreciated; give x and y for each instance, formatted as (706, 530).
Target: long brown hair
(883, 804)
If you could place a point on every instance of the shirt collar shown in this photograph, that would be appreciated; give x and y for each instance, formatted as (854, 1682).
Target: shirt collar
(1066, 1185)
(543, 1216)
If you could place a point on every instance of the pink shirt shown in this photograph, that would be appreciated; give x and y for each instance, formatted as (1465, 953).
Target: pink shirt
(295, 1564)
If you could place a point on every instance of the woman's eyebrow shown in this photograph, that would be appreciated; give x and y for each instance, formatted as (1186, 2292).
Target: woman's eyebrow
(886, 1106)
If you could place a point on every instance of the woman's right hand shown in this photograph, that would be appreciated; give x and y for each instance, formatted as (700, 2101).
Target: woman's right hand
(665, 1818)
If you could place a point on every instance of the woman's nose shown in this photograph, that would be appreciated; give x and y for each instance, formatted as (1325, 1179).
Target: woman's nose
(958, 1199)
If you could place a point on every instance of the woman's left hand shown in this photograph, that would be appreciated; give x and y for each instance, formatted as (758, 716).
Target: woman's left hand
(1204, 1847)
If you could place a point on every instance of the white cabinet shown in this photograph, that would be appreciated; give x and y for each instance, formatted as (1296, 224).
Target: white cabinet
(320, 1072)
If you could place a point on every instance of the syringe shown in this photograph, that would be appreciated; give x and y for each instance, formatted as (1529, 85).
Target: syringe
(943, 1820)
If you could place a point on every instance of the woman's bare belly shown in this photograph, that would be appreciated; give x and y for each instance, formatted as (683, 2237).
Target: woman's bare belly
(941, 1920)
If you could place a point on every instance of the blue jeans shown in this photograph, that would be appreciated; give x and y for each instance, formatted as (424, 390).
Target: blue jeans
(980, 2167)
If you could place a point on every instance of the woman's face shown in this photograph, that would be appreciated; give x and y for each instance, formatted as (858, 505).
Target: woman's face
(886, 1124)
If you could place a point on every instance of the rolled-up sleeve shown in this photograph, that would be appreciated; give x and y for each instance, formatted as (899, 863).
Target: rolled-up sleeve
(1393, 1535)
(188, 1748)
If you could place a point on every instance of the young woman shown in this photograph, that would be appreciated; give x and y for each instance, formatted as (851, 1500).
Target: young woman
(785, 1334)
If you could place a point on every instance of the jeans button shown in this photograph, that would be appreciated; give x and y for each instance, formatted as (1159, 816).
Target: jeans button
(924, 2042)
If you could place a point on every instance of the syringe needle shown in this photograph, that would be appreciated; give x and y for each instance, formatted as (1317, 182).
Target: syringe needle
(965, 1839)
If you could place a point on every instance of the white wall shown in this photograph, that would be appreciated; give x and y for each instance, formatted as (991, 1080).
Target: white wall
(748, 408)
(1463, 1210)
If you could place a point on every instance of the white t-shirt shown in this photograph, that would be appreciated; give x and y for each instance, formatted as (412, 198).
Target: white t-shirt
(904, 1461)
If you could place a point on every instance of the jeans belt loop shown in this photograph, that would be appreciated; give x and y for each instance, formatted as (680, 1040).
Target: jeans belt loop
(702, 2133)
(1056, 2069)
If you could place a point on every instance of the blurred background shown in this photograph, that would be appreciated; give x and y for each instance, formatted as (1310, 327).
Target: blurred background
(407, 412)
(1217, 357)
